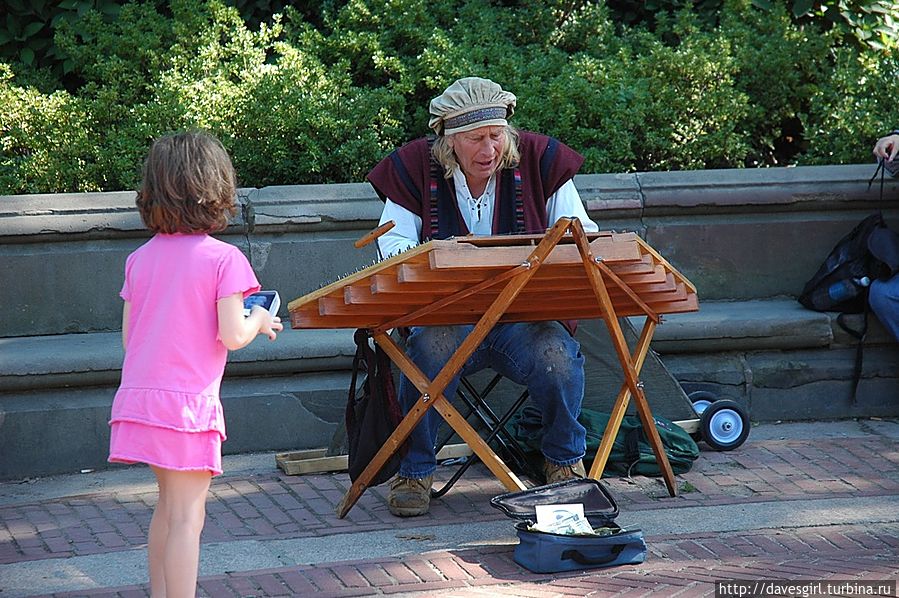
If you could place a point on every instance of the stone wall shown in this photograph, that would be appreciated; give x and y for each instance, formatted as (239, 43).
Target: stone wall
(747, 239)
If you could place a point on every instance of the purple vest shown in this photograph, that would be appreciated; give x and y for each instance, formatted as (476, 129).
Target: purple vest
(410, 179)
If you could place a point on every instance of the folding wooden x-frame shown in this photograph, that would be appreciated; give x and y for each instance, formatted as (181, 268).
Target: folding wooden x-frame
(485, 280)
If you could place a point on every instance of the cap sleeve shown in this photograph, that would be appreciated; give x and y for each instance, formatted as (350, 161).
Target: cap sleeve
(235, 275)
(125, 293)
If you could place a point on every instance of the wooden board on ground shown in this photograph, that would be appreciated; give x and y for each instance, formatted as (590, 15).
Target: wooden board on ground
(315, 460)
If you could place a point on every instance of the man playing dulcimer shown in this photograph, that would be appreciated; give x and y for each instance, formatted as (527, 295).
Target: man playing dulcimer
(481, 176)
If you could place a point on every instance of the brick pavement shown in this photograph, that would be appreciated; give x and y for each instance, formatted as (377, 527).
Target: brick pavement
(270, 506)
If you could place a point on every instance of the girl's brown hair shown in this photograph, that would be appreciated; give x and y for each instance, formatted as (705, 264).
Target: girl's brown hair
(189, 185)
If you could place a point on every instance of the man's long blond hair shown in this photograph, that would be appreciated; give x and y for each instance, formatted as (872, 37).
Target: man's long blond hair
(442, 151)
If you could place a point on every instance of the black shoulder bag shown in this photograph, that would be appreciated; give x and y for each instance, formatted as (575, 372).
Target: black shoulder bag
(372, 411)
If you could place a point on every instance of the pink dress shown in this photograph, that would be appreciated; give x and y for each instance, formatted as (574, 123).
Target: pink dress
(167, 410)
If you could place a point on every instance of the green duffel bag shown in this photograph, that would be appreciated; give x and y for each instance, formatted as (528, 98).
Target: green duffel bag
(631, 453)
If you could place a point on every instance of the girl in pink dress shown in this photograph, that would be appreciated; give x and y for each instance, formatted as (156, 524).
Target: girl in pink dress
(183, 311)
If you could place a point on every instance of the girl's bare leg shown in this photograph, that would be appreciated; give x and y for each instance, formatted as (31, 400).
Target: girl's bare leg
(158, 536)
(183, 496)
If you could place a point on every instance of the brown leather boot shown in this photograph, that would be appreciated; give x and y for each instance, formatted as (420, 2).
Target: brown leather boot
(410, 497)
(560, 473)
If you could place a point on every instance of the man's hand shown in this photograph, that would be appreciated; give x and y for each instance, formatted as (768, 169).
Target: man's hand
(887, 147)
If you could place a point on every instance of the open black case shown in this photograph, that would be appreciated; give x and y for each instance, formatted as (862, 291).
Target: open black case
(543, 552)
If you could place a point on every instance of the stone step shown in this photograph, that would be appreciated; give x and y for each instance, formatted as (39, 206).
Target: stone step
(52, 431)
(56, 392)
(73, 360)
(782, 361)
(76, 360)
(759, 324)
(713, 345)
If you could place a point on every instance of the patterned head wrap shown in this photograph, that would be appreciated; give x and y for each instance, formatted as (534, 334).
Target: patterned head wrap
(470, 103)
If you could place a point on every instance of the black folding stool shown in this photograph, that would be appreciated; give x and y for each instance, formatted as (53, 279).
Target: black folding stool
(476, 405)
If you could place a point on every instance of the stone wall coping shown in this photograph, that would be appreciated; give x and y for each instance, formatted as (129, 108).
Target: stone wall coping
(52, 361)
(796, 188)
(356, 206)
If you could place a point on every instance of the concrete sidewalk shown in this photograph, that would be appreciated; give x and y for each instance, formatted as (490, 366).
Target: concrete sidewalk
(802, 502)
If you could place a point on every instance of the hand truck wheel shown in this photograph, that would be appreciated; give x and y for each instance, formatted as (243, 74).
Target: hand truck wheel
(724, 425)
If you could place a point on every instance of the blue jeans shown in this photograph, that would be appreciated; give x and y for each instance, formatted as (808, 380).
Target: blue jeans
(883, 297)
(541, 356)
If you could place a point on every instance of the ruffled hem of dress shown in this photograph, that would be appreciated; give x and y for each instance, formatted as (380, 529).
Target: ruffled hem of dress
(125, 460)
(135, 420)
(176, 410)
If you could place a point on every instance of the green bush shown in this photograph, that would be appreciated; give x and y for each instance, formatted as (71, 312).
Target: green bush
(46, 145)
(869, 23)
(857, 104)
(30, 26)
(323, 90)
(284, 116)
(778, 66)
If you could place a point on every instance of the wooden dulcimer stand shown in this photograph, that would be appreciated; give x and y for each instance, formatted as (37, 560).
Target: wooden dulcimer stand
(562, 275)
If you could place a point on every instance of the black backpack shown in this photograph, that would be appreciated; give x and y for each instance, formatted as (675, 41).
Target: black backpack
(870, 251)
(372, 411)
(841, 283)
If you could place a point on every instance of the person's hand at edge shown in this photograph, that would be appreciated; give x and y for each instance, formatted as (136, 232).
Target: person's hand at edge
(887, 147)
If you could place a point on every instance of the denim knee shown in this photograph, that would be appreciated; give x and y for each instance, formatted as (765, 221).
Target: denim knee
(430, 347)
(883, 297)
(558, 356)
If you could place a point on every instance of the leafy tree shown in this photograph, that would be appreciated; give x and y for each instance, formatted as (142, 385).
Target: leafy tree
(322, 90)
(872, 23)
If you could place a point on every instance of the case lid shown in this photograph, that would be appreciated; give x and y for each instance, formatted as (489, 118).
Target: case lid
(595, 497)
